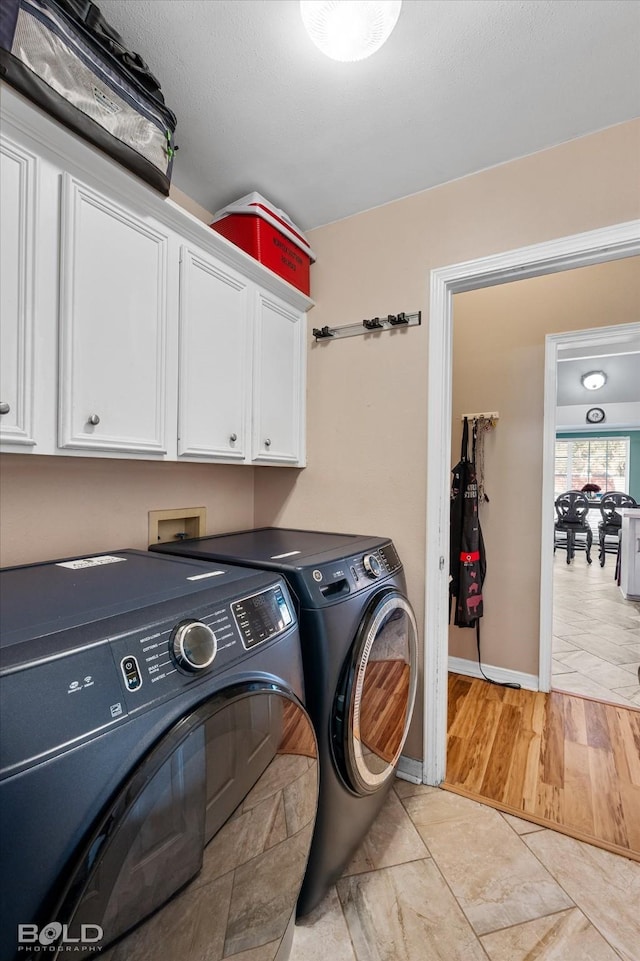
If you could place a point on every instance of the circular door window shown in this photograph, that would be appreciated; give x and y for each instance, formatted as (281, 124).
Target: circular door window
(203, 852)
(375, 704)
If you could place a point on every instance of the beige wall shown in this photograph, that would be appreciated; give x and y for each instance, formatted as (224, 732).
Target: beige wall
(498, 351)
(63, 506)
(367, 395)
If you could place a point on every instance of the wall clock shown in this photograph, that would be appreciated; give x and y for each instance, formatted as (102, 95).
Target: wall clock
(595, 415)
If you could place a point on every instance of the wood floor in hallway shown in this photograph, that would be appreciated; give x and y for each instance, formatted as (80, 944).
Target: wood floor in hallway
(562, 761)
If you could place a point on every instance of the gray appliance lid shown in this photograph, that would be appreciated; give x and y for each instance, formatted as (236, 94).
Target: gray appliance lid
(39, 599)
(276, 548)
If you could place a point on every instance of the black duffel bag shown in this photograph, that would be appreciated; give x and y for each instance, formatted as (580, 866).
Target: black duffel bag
(64, 56)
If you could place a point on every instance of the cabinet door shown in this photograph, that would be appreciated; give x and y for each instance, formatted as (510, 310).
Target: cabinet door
(113, 321)
(17, 256)
(215, 363)
(279, 383)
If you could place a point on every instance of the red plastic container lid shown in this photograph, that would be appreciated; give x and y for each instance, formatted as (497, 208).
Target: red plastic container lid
(256, 205)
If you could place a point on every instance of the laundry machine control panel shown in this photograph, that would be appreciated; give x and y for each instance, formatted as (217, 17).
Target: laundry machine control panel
(123, 673)
(261, 616)
(171, 654)
(331, 582)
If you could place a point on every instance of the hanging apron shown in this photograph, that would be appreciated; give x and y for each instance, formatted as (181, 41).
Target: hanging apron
(467, 562)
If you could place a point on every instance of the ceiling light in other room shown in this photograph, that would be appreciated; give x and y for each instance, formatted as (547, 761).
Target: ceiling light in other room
(594, 380)
(349, 30)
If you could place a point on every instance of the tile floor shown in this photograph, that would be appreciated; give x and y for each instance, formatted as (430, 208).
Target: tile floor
(596, 642)
(443, 878)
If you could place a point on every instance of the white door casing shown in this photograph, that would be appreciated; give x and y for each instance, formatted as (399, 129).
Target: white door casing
(579, 250)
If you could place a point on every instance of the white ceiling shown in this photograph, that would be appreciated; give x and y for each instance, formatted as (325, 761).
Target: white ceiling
(622, 386)
(620, 360)
(461, 85)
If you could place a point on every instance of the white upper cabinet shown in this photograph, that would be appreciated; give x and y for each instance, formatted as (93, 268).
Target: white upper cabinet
(215, 359)
(128, 327)
(17, 265)
(279, 383)
(113, 325)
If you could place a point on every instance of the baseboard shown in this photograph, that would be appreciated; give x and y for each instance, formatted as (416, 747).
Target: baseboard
(460, 665)
(409, 769)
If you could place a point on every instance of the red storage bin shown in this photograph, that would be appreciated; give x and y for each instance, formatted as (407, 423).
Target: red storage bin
(266, 233)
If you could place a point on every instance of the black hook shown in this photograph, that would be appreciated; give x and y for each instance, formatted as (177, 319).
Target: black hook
(322, 333)
(373, 324)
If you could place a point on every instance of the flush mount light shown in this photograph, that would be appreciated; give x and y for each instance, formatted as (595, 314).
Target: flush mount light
(594, 380)
(349, 30)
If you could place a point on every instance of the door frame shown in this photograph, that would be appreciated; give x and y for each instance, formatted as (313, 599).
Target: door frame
(566, 253)
(553, 342)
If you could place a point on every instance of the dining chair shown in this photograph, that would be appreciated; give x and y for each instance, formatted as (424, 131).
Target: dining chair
(572, 519)
(611, 523)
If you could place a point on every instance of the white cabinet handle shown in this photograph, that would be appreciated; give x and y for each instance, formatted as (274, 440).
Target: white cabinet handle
(267, 442)
(233, 438)
(5, 408)
(93, 419)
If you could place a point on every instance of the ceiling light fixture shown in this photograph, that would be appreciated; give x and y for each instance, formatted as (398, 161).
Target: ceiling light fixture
(594, 380)
(349, 30)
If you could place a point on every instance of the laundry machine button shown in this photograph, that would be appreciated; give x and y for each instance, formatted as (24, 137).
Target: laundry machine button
(194, 646)
(131, 672)
(372, 565)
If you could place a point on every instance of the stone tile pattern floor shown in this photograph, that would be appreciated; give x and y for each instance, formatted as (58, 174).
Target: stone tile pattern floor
(442, 878)
(596, 633)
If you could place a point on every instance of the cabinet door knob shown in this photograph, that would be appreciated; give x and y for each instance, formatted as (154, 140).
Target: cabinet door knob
(93, 419)
(233, 438)
(267, 442)
(4, 407)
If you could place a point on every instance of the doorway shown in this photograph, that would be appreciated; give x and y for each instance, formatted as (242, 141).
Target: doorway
(594, 651)
(611, 243)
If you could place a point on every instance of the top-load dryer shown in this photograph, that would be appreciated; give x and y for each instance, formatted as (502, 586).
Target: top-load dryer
(158, 770)
(359, 649)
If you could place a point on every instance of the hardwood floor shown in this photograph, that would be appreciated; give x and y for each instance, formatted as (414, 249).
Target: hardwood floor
(563, 761)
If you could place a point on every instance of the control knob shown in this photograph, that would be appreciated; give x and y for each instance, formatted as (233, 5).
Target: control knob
(194, 646)
(372, 565)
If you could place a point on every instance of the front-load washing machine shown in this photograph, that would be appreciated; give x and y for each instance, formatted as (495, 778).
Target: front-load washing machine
(158, 782)
(359, 649)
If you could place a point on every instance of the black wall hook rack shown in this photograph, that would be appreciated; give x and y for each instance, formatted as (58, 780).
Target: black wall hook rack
(373, 325)
(322, 333)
